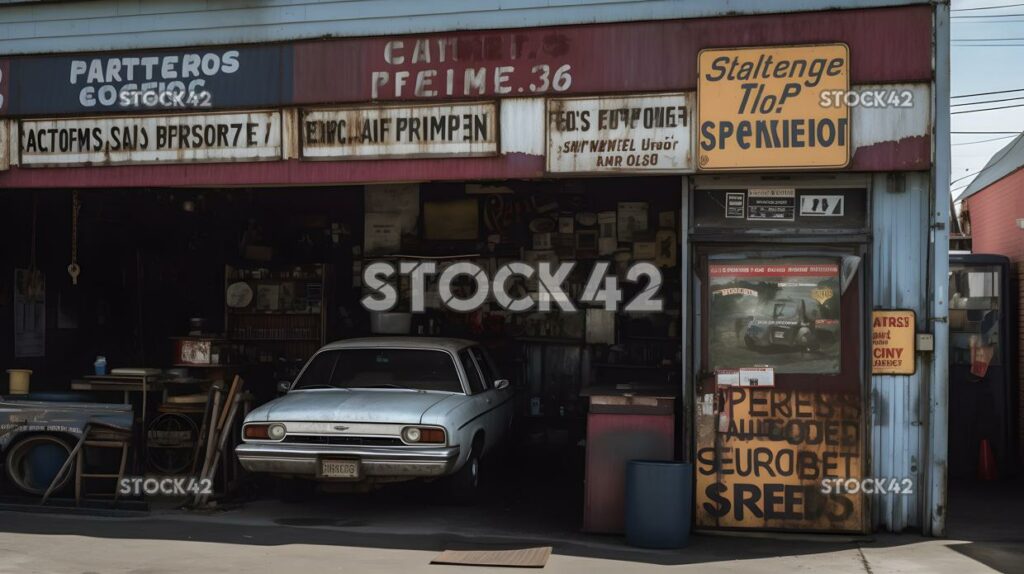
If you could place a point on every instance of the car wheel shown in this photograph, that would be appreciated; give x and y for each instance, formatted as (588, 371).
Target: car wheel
(465, 484)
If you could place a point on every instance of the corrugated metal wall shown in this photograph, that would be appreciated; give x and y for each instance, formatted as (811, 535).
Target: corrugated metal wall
(39, 28)
(899, 272)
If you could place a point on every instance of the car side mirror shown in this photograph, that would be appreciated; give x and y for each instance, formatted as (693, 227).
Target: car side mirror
(283, 386)
(502, 384)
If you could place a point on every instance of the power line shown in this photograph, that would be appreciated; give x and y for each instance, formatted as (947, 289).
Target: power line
(1015, 14)
(986, 102)
(985, 141)
(987, 109)
(1017, 39)
(965, 177)
(986, 93)
(986, 8)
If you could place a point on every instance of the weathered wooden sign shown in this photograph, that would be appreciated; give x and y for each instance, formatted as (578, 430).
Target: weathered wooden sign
(767, 458)
(648, 133)
(425, 130)
(893, 337)
(761, 108)
(184, 138)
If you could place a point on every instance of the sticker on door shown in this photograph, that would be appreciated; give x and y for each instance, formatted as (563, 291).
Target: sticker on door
(821, 205)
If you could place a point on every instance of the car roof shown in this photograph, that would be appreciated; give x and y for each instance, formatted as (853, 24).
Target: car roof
(433, 343)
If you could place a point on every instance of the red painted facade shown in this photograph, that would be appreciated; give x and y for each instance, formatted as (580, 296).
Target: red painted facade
(633, 57)
(994, 213)
(606, 58)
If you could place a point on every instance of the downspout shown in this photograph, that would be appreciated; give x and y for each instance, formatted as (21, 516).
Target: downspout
(934, 522)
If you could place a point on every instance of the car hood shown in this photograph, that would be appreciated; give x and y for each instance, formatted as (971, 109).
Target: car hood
(339, 405)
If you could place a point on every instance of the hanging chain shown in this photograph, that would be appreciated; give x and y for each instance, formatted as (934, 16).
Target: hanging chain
(74, 269)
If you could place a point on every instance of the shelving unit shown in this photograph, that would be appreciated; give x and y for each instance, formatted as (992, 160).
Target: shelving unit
(286, 316)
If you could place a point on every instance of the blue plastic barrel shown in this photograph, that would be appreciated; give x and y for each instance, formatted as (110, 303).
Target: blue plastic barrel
(658, 503)
(44, 462)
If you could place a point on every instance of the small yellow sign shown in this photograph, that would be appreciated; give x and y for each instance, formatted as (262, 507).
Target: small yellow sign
(775, 107)
(821, 294)
(893, 338)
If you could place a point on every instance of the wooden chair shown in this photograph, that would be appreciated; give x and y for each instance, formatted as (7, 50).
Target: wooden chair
(96, 436)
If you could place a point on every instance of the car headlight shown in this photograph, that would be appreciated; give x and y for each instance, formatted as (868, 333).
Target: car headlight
(423, 435)
(411, 434)
(276, 432)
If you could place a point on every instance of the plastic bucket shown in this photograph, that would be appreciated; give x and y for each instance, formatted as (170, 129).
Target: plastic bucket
(658, 503)
(19, 381)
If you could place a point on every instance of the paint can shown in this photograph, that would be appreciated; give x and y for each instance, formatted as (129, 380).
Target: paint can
(18, 379)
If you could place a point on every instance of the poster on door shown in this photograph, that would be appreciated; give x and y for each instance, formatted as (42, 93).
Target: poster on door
(781, 313)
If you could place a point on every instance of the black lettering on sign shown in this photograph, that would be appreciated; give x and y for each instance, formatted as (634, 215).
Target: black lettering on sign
(768, 462)
(775, 501)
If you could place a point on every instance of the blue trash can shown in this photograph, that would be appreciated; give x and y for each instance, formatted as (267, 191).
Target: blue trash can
(658, 503)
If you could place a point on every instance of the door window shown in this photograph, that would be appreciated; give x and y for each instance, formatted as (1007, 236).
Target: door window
(782, 313)
(485, 367)
(476, 384)
(974, 307)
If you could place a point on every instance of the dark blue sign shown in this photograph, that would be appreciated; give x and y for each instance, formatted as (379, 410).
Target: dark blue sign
(187, 79)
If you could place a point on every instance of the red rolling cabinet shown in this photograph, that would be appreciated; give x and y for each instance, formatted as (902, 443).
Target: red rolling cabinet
(623, 424)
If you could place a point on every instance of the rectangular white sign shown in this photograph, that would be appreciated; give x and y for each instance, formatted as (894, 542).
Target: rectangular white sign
(821, 205)
(182, 138)
(427, 130)
(620, 134)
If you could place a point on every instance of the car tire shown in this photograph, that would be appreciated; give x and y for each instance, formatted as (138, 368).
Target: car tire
(464, 485)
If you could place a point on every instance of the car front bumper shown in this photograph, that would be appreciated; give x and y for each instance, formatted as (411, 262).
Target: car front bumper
(304, 459)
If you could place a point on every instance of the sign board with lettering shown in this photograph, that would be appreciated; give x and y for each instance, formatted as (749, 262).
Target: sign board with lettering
(893, 342)
(185, 138)
(631, 134)
(762, 108)
(771, 204)
(770, 458)
(427, 130)
(770, 209)
(183, 80)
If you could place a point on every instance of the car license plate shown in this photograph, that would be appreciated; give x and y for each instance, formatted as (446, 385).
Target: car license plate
(339, 468)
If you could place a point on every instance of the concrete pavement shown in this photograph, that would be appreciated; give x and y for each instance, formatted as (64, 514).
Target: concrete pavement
(400, 530)
(252, 540)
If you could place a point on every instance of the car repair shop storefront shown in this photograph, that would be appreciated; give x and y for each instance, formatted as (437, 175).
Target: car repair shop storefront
(735, 223)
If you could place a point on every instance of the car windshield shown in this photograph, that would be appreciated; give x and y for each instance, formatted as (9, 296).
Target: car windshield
(415, 369)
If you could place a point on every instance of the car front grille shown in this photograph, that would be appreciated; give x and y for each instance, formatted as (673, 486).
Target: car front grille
(344, 440)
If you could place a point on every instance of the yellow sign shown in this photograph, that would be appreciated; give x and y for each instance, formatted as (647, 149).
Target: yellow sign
(893, 338)
(777, 107)
(822, 294)
(781, 459)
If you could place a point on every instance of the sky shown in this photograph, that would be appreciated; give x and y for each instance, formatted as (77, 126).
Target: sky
(982, 61)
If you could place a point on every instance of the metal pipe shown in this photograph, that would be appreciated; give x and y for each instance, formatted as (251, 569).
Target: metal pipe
(938, 395)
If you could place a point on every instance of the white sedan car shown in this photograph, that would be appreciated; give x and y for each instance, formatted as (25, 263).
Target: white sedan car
(383, 409)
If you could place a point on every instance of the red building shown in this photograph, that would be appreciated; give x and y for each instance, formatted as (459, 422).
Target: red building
(992, 215)
(993, 204)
